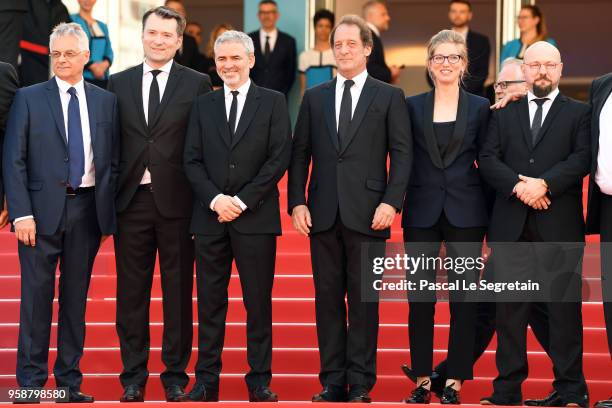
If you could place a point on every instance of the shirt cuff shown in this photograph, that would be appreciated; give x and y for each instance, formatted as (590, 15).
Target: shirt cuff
(27, 217)
(214, 200)
(240, 203)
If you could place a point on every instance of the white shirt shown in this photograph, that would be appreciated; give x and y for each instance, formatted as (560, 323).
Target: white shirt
(241, 99)
(355, 92)
(462, 31)
(272, 40)
(603, 175)
(147, 79)
(545, 106)
(89, 176)
(313, 58)
(374, 29)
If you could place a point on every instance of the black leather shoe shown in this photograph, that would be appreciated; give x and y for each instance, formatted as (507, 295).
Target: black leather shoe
(76, 396)
(175, 393)
(450, 396)
(359, 393)
(26, 400)
(262, 394)
(201, 393)
(544, 402)
(604, 403)
(499, 400)
(420, 395)
(133, 393)
(331, 393)
(437, 381)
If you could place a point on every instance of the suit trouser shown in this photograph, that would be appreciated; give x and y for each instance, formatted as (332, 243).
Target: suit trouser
(606, 262)
(74, 245)
(255, 256)
(142, 232)
(565, 321)
(468, 243)
(347, 351)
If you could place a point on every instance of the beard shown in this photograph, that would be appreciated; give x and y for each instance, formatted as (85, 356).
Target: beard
(542, 91)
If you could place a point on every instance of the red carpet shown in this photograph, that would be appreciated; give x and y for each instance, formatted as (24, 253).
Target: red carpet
(295, 359)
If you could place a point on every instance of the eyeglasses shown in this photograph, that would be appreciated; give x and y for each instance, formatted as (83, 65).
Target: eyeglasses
(504, 84)
(452, 59)
(68, 54)
(550, 66)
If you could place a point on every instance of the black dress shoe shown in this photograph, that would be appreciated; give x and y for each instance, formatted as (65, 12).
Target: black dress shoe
(420, 395)
(175, 393)
(437, 381)
(76, 396)
(544, 402)
(331, 393)
(450, 396)
(27, 399)
(604, 403)
(499, 400)
(358, 393)
(262, 394)
(132, 393)
(201, 393)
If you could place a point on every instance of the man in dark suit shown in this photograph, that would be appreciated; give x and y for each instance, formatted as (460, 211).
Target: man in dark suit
(236, 212)
(188, 55)
(8, 86)
(599, 215)
(60, 167)
(377, 16)
(348, 127)
(12, 13)
(154, 203)
(275, 51)
(538, 183)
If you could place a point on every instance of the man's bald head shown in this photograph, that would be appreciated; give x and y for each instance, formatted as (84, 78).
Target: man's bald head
(542, 68)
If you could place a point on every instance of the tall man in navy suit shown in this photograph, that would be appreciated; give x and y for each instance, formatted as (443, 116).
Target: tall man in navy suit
(60, 165)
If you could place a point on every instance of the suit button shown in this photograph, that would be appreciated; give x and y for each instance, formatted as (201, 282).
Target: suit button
(150, 140)
(442, 188)
(339, 159)
(531, 161)
(232, 166)
(65, 159)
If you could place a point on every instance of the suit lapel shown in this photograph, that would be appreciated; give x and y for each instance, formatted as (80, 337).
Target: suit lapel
(365, 99)
(55, 104)
(456, 141)
(248, 113)
(522, 109)
(221, 116)
(428, 130)
(137, 93)
(173, 81)
(550, 117)
(329, 110)
(91, 112)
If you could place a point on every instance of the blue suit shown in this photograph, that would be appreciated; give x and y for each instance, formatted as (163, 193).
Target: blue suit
(69, 224)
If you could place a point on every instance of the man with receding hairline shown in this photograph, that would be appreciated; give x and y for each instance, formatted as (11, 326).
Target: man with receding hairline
(376, 14)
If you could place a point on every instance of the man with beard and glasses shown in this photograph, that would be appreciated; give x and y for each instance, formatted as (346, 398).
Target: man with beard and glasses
(536, 155)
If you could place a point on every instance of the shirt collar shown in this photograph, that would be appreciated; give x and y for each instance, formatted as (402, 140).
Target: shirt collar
(373, 28)
(359, 79)
(272, 34)
(551, 96)
(146, 68)
(243, 90)
(462, 31)
(64, 86)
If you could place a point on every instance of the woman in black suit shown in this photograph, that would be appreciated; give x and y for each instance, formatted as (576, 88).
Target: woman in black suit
(445, 202)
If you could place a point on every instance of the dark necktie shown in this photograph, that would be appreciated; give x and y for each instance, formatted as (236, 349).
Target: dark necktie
(75, 141)
(233, 113)
(344, 119)
(153, 98)
(267, 48)
(536, 125)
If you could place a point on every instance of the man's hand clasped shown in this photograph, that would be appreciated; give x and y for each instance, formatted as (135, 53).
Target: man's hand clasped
(532, 192)
(227, 208)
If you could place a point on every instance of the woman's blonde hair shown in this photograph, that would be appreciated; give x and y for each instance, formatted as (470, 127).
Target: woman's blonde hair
(447, 37)
(214, 34)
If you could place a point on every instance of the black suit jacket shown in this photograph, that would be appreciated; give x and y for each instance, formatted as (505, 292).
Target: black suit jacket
(449, 182)
(8, 86)
(248, 165)
(561, 157)
(377, 67)
(600, 91)
(160, 147)
(278, 72)
(354, 180)
(189, 56)
(479, 52)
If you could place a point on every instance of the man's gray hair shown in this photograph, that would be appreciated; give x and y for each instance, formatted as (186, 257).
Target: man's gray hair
(236, 37)
(70, 29)
(510, 61)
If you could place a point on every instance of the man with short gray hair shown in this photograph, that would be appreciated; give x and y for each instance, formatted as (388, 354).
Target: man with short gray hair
(60, 164)
(510, 79)
(237, 149)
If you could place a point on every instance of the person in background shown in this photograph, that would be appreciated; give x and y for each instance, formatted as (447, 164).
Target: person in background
(510, 79)
(194, 29)
(188, 55)
(532, 27)
(209, 54)
(275, 51)
(377, 17)
(317, 65)
(8, 86)
(101, 51)
(12, 14)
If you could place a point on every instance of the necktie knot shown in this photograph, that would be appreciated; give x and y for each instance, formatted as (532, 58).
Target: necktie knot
(540, 101)
(155, 72)
(72, 91)
(235, 93)
(348, 83)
